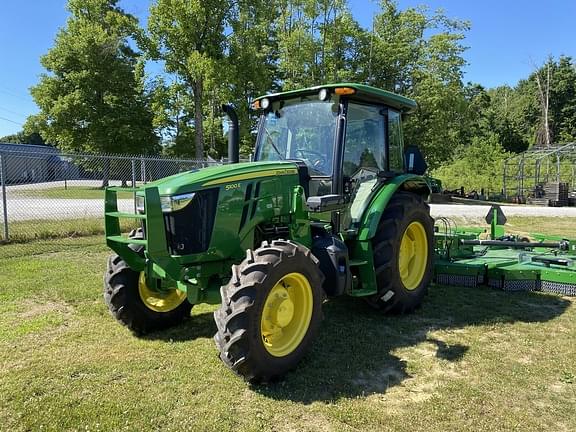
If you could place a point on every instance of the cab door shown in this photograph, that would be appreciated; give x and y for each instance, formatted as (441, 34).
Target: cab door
(372, 145)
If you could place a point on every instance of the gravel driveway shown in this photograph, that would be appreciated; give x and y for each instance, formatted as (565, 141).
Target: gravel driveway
(480, 211)
(20, 209)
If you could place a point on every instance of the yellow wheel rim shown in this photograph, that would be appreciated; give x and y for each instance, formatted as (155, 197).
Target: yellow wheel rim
(413, 255)
(286, 315)
(159, 301)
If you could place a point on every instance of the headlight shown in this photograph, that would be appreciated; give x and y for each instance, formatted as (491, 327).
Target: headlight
(176, 202)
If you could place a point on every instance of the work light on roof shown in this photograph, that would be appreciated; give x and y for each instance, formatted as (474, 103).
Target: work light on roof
(324, 94)
(265, 103)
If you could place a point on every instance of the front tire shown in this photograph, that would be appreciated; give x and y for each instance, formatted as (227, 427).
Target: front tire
(134, 304)
(271, 310)
(403, 251)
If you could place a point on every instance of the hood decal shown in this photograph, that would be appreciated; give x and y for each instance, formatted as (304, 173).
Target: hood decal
(252, 175)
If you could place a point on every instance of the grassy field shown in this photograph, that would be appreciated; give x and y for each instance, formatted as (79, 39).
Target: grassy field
(559, 226)
(46, 229)
(24, 231)
(72, 192)
(469, 359)
(556, 226)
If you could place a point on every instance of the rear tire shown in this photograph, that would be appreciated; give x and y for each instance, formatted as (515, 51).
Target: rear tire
(123, 294)
(403, 251)
(271, 310)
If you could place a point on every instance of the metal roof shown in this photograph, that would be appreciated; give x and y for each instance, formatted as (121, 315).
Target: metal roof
(364, 93)
(27, 148)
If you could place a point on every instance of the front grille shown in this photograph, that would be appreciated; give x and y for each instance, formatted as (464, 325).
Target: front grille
(189, 230)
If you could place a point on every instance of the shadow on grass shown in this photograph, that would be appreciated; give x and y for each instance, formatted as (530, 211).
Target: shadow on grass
(352, 355)
(197, 326)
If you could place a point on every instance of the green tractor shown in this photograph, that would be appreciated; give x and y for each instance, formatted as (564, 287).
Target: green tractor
(331, 205)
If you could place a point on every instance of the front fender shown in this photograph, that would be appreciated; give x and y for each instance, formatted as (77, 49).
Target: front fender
(372, 215)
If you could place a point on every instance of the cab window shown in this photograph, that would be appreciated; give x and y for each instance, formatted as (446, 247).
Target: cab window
(365, 141)
(396, 145)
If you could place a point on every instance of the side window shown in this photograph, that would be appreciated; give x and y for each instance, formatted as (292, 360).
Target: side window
(365, 139)
(364, 156)
(396, 145)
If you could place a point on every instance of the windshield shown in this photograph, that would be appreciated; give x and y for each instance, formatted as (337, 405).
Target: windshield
(300, 130)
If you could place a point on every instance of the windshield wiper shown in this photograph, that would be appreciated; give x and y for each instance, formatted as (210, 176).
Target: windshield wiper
(269, 137)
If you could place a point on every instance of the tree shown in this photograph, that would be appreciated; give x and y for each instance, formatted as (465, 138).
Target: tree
(92, 98)
(188, 36)
(477, 166)
(562, 104)
(319, 41)
(419, 55)
(23, 138)
(542, 77)
(173, 116)
(251, 62)
(540, 109)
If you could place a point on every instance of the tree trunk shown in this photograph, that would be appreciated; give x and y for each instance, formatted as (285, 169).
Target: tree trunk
(198, 126)
(544, 93)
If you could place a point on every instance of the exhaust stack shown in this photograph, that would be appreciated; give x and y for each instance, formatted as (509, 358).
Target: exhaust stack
(233, 134)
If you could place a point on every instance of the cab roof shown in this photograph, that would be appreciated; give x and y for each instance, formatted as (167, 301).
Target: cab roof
(363, 93)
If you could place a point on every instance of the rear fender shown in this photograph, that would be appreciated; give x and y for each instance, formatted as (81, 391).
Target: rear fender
(361, 248)
(372, 215)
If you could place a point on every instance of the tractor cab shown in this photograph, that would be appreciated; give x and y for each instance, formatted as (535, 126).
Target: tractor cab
(345, 137)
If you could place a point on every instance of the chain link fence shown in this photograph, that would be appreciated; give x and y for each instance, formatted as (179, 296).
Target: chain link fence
(48, 195)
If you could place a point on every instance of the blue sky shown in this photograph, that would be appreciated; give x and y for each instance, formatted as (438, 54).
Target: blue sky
(506, 39)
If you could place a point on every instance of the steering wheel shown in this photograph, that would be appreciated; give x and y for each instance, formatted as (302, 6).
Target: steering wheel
(317, 159)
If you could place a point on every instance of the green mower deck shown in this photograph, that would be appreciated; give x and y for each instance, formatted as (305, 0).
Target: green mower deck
(545, 264)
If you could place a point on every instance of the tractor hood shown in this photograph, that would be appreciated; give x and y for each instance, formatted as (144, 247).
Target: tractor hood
(191, 181)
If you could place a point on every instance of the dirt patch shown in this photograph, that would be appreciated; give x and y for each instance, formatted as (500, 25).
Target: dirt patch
(420, 372)
(308, 421)
(525, 360)
(380, 381)
(33, 309)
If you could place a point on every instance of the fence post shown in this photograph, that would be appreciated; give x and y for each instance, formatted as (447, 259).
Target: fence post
(4, 201)
(134, 181)
(66, 168)
(143, 170)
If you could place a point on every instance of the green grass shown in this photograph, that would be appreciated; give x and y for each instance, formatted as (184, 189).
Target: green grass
(72, 192)
(44, 229)
(25, 231)
(469, 359)
(557, 226)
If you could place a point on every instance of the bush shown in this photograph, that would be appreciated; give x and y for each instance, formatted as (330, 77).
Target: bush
(479, 165)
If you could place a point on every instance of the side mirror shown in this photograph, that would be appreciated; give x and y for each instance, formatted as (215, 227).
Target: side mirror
(325, 203)
(414, 161)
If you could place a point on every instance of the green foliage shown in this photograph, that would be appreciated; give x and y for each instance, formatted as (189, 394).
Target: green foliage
(318, 42)
(251, 67)
(92, 99)
(516, 113)
(419, 54)
(475, 166)
(563, 99)
(95, 95)
(23, 138)
(188, 36)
